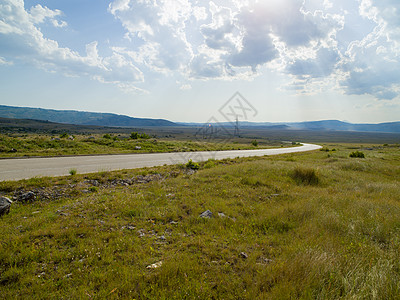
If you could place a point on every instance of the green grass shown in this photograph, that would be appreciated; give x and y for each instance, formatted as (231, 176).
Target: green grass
(46, 145)
(336, 239)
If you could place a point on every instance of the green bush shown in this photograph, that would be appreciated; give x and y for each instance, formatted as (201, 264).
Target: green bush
(72, 172)
(254, 143)
(192, 165)
(144, 136)
(305, 176)
(134, 135)
(64, 135)
(357, 154)
(106, 136)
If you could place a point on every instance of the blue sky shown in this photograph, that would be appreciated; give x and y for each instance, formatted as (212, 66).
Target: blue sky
(293, 60)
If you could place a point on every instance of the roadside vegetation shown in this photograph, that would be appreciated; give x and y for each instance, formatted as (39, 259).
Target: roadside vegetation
(318, 225)
(65, 144)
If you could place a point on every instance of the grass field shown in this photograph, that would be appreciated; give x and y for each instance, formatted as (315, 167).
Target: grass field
(47, 145)
(317, 225)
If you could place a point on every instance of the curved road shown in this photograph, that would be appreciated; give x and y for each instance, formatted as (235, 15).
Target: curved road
(23, 168)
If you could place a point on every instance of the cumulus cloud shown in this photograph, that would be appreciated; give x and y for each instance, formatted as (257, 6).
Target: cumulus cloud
(24, 41)
(373, 63)
(350, 45)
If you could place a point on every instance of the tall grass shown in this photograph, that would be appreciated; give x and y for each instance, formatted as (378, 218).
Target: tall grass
(306, 176)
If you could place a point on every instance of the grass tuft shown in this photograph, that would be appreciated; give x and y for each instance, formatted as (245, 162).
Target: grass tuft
(305, 176)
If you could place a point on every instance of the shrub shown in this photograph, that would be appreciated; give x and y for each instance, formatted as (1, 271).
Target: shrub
(72, 172)
(144, 136)
(357, 154)
(254, 143)
(64, 135)
(305, 176)
(106, 136)
(93, 189)
(210, 163)
(134, 135)
(192, 165)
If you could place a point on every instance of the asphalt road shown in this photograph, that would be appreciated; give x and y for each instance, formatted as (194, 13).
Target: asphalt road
(24, 168)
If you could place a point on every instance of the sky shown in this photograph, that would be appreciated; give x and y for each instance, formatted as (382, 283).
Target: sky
(183, 60)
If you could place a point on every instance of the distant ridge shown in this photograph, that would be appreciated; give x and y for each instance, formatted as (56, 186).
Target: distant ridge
(79, 117)
(326, 125)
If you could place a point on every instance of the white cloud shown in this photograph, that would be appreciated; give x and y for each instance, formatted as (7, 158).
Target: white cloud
(353, 45)
(38, 14)
(373, 63)
(5, 62)
(24, 42)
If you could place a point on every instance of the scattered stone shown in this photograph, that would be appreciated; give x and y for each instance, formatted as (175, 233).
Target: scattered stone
(275, 195)
(141, 233)
(207, 214)
(173, 223)
(68, 275)
(35, 212)
(5, 205)
(138, 148)
(155, 266)
(264, 261)
(55, 139)
(170, 195)
(26, 197)
(162, 238)
(129, 227)
(221, 215)
(243, 255)
(71, 138)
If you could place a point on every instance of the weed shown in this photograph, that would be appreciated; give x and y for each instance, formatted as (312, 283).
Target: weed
(72, 172)
(305, 176)
(192, 165)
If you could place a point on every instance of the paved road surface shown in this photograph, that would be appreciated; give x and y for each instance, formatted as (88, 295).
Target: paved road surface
(16, 169)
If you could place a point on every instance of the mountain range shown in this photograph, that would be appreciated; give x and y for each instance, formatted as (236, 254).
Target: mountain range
(79, 117)
(114, 120)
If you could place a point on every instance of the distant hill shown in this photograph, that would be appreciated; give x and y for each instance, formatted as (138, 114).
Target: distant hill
(327, 125)
(344, 126)
(79, 117)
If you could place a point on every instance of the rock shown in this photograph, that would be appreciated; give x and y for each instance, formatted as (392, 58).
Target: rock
(5, 205)
(129, 227)
(264, 261)
(13, 150)
(243, 255)
(221, 215)
(155, 266)
(138, 148)
(27, 197)
(207, 214)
